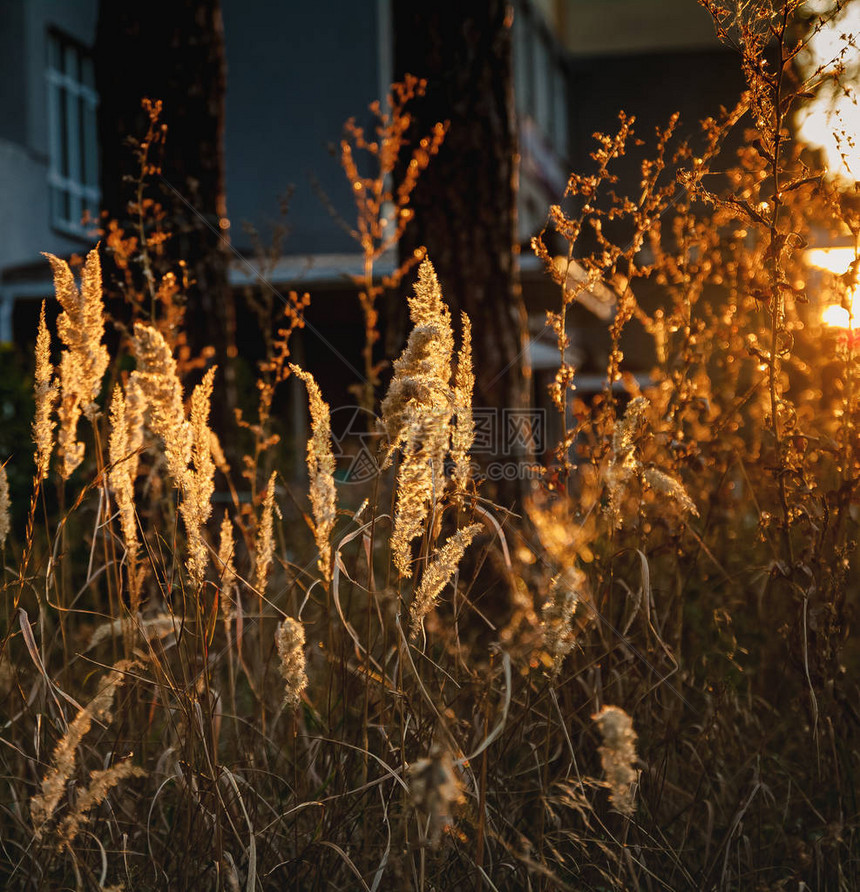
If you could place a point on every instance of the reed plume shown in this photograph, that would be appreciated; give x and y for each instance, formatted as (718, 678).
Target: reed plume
(85, 359)
(5, 506)
(187, 444)
(463, 434)
(435, 788)
(159, 382)
(45, 393)
(265, 545)
(290, 641)
(45, 802)
(672, 489)
(227, 569)
(625, 466)
(416, 413)
(618, 755)
(438, 574)
(321, 466)
(422, 372)
(126, 437)
(199, 484)
(100, 784)
(565, 594)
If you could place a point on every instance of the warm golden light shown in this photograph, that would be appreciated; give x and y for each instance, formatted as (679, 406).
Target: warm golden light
(837, 261)
(831, 121)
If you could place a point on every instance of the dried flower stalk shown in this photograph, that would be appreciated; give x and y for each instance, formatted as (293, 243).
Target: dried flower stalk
(5, 505)
(565, 593)
(417, 413)
(321, 468)
(126, 436)
(44, 803)
(438, 574)
(290, 641)
(463, 435)
(227, 569)
(85, 359)
(46, 397)
(618, 755)
(100, 784)
(265, 545)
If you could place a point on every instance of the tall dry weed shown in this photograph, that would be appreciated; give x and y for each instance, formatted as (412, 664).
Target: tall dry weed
(321, 467)
(84, 359)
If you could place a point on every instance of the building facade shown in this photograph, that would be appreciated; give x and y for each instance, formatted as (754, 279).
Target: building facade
(295, 73)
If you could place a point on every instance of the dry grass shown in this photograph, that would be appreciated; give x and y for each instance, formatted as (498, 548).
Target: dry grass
(646, 680)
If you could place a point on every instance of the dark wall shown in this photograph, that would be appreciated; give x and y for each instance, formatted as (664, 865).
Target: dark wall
(13, 72)
(295, 73)
(651, 87)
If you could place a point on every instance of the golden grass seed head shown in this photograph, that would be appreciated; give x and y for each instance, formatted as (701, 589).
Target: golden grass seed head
(618, 755)
(438, 574)
(321, 468)
(290, 642)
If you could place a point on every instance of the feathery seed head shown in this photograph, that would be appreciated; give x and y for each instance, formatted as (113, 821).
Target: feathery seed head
(321, 467)
(227, 568)
(438, 574)
(672, 489)
(159, 382)
(85, 359)
(44, 803)
(417, 412)
(435, 788)
(101, 782)
(463, 435)
(618, 755)
(199, 483)
(565, 593)
(123, 473)
(46, 396)
(290, 641)
(265, 545)
(5, 521)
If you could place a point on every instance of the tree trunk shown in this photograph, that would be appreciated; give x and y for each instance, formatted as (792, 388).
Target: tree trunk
(465, 202)
(172, 50)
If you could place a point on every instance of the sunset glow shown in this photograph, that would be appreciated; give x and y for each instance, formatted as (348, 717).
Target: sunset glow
(837, 261)
(831, 121)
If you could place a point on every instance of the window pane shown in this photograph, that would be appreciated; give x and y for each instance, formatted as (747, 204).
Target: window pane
(55, 53)
(70, 63)
(61, 203)
(76, 209)
(64, 133)
(73, 136)
(88, 77)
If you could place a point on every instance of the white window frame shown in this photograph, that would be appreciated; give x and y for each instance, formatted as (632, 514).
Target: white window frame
(77, 187)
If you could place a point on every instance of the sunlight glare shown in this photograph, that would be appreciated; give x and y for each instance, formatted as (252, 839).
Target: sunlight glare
(831, 121)
(837, 261)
